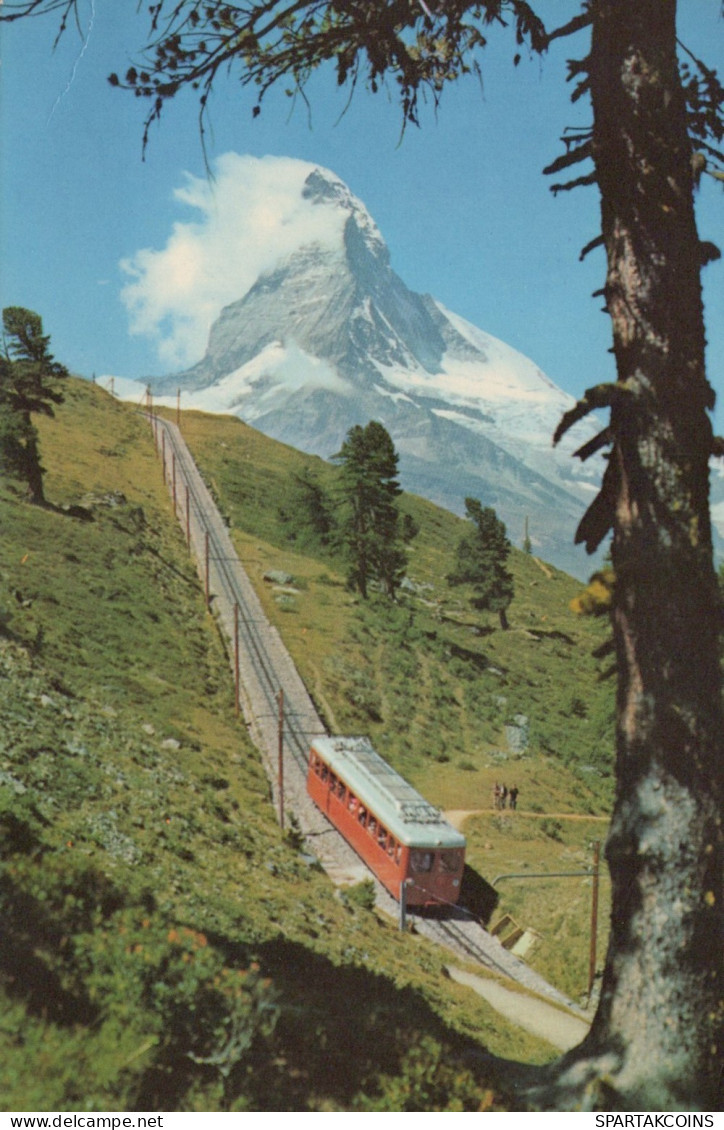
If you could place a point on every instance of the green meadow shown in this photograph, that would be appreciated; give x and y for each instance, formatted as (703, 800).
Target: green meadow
(164, 947)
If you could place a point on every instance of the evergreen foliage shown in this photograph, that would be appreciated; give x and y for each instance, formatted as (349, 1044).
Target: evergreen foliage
(656, 127)
(481, 561)
(369, 522)
(527, 543)
(309, 511)
(29, 377)
(162, 946)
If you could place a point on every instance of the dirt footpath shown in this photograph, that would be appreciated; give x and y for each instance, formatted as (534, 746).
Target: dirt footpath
(558, 1027)
(458, 816)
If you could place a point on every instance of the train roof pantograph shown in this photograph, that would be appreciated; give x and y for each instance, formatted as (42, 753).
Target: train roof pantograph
(406, 814)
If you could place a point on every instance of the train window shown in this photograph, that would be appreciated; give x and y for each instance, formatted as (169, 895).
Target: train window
(333, 781)
(362, 815)
(325, 772)
(382, 837)
(341, 790)
(398, 854)
(421, 860)
(352, 803)
(391, 845)
(372, 826)
(450, 861)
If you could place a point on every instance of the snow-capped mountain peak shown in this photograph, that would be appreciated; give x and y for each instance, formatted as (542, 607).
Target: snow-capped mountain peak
(324, 188)
(329, 336)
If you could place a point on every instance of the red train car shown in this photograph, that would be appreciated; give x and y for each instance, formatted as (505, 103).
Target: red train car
(400, 837)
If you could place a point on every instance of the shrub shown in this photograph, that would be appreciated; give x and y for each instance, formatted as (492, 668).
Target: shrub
(552, 828)
(360, 895)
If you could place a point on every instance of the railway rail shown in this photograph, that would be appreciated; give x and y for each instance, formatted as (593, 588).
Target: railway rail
(246, 628)
(263, 669)
(469, 939)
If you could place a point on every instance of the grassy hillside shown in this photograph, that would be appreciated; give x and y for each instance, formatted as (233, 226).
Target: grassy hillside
(162, 946)
(437, 686)
(429, 678)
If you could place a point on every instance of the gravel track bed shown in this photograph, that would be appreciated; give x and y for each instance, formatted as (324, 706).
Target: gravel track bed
(266, 668)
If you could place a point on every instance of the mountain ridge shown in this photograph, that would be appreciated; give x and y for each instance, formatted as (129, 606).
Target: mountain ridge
(330, 336)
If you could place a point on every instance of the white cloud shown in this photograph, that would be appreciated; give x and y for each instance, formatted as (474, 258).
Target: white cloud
(249, 217)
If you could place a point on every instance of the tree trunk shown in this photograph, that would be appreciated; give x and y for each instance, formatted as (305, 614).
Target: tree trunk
(33, 468)
(656, 1040)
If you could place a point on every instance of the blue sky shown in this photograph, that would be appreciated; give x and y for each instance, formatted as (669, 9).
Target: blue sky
(462, 203)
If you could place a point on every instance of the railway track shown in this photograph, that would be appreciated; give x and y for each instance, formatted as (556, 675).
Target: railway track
(264, 668)
(470, 940)
(235, 603)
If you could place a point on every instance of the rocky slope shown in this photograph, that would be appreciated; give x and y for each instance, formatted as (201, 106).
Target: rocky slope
(331, 337)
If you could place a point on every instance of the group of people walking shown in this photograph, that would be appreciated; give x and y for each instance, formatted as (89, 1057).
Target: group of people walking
(504, 797)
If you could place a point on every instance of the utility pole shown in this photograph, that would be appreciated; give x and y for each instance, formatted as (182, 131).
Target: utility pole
(188, 517)
(403, 903)
(281, 758)
(207, 585)
(594, 873)
(594, 915)
(236, 658)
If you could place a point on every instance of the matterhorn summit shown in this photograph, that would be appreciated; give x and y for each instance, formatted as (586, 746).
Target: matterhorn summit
(329, 336)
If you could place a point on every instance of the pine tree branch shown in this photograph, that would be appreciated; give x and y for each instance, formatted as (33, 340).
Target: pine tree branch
(579, 182)
(600, 396)
(599, 518)
(591, 246)
(574, 25)
(588, 449)
(572, 156)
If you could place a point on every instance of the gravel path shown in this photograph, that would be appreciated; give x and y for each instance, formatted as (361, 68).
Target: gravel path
(541, 1019)
(458, 816)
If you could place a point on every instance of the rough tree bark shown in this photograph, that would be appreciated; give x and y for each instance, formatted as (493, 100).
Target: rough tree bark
(34, 474)
(656, 1041)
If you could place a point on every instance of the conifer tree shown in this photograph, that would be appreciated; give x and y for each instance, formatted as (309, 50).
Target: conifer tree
(308, 511)
(657, 127)
(527, 543)
(481, 557)
(29, 384)
(369, 523)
